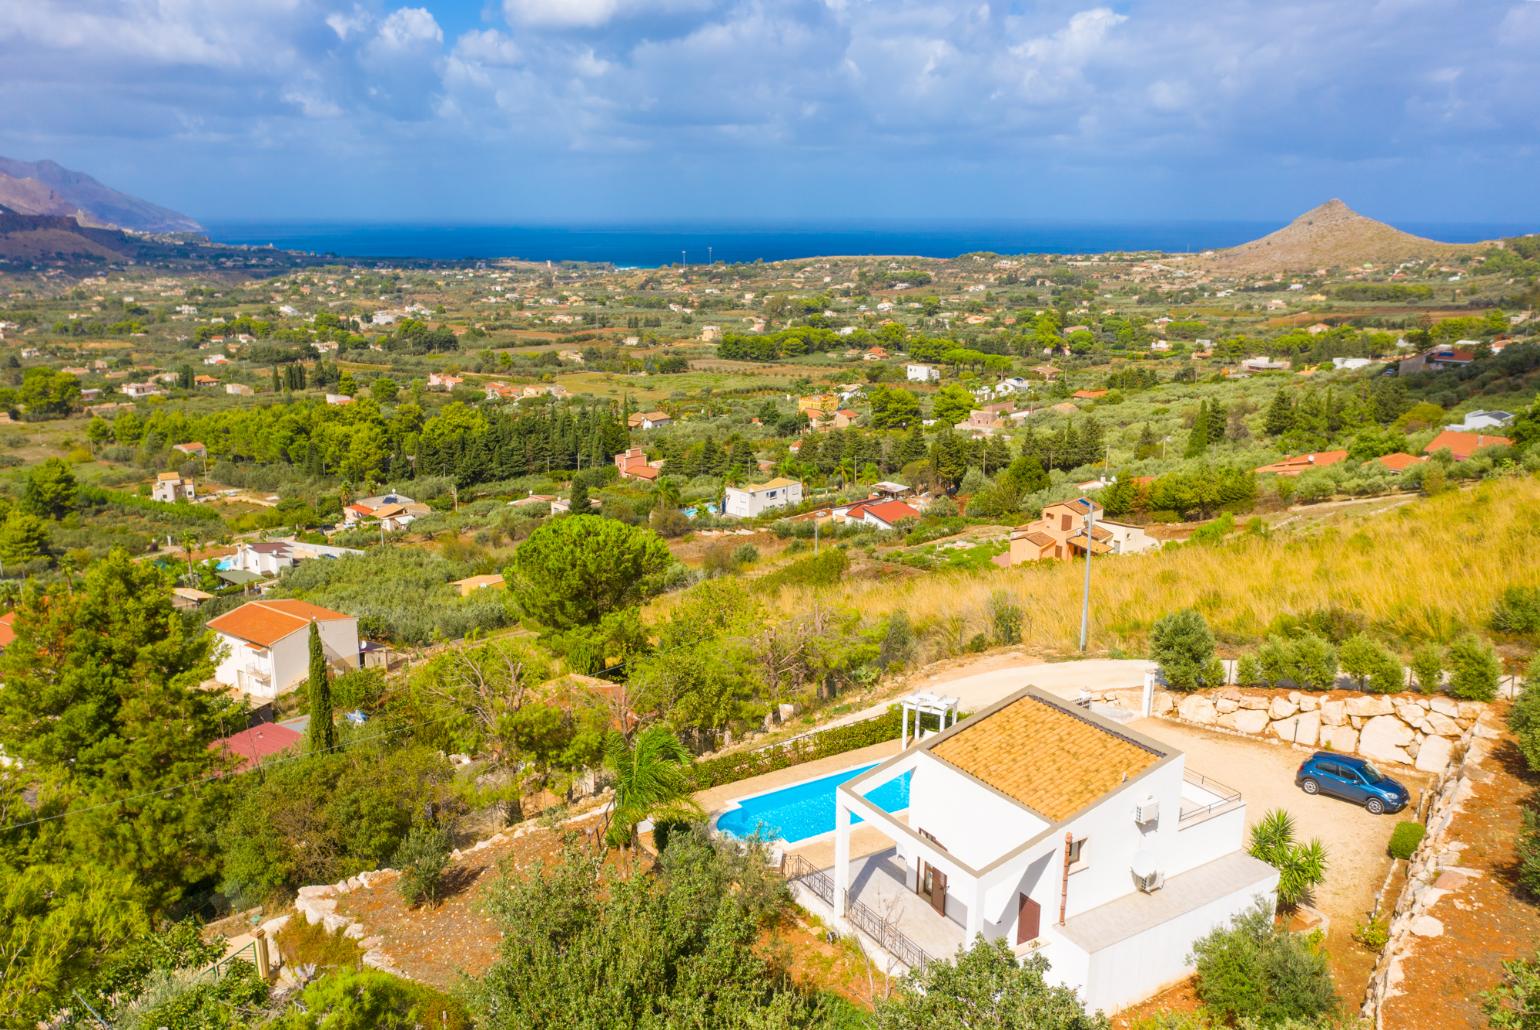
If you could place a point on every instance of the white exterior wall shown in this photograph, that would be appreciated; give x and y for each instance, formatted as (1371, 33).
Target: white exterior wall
(745, 504)
(1205, 840)
(287, 662)
(968, 819)
(1133, 969)
(1128, 539)
(922, 374)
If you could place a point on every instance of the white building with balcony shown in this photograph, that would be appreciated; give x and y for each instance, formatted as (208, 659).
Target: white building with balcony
(745, 502)
(1057, 829)
(264, 646)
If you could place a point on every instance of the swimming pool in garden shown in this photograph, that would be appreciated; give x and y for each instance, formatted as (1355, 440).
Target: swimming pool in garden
(805, 810)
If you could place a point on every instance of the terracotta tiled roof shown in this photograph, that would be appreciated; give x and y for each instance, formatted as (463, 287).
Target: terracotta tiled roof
(257, 743)
(267, 622)
(1399, 461)
(1463, 445)
(891, 512)
(1045, 754)
(7, 630)
(1293, 466)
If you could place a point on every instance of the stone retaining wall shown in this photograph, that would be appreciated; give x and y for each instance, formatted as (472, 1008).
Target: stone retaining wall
(1408, 729)
(1431, 873)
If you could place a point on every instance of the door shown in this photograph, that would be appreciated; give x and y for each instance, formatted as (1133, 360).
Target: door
(1352, 785)
(1029, 918)
(933, 887)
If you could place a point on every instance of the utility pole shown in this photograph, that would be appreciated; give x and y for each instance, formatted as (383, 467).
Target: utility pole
(1085, 602)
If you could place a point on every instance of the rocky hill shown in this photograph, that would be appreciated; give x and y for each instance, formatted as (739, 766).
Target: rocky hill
(1332, 235)
(47, 188)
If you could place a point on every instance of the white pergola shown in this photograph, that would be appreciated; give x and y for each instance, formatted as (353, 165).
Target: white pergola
(922, 704)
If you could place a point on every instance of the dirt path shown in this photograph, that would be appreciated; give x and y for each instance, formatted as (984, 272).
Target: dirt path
(1484, 919)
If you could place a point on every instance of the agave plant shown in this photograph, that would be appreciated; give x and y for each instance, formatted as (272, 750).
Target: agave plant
(1301, 866)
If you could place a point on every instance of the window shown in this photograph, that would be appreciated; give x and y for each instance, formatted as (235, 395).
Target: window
(1077, 856)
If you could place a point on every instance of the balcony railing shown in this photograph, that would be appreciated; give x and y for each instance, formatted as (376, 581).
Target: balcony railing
(1225, 799)
(797, 869)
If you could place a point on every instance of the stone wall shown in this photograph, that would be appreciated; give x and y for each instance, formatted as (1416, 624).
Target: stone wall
(1406, 729)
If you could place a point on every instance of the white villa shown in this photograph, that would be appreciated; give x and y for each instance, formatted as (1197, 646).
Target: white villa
(917, 373)
(748, 501)
(1059, 830)
(264, 646)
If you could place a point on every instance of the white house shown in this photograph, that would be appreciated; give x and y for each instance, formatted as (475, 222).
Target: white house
(393, 511)
(1350, 363)
(264, 646)
(745, 502)
(1476, 421)
(1126, 538)
(137, 390)
(265, 559)
(170, 487)
(1057, 830)
(922, 373)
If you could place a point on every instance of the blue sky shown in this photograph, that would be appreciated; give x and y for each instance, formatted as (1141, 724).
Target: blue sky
(842, 110)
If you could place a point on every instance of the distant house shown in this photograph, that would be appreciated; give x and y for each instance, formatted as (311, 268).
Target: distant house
(203, 382)
(1350, 363)
(393, 511)
(1299, 463)
(922, 373)
(187, 599)
(7, 630)
(875, 354)
(748, 501)
(255, 745)
(192, 450)
(170, 488)
(265, 559)
(238, 390)
(1476, 421)
(471, 584)
(1059, 533)
(819, 402)
(982, 423)
(1012, 385)
(443, 381)
(648, 420)
(138, 390)
(216, 359)
(883, 515)
(1400, 461)
(633, 464)
(1437, 359)
(1462, 445)
(338, 399)
(265, 645)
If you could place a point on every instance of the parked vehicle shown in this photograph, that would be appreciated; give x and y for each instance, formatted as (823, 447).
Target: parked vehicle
(1352, 779)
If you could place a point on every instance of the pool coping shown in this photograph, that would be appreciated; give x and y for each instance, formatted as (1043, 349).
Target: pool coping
(735, 804)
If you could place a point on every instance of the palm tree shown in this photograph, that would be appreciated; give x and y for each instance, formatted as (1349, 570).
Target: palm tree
(1301, 867)
(649, 781)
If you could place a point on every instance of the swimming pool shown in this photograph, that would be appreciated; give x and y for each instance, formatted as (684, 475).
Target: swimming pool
(806, 809)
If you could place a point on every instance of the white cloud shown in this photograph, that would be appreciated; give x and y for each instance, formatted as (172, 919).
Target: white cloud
(408, 28)
(349, 24)
(591, 14)
(487, 46)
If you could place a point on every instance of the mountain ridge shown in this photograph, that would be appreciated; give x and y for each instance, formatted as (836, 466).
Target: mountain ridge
(48, 188)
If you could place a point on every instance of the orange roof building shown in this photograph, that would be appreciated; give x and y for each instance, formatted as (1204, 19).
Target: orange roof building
(1400, 461)
(264, 646)
(1303, 463)
(1463, 445)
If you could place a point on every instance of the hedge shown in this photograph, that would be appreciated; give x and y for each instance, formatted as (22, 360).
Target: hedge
(1404, 839)
(713, 772)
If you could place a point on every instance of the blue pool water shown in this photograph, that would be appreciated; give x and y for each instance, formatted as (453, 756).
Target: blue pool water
(807, 809)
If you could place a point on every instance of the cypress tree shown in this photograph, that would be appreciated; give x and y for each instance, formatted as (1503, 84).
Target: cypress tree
(580, 505)
(320, 734)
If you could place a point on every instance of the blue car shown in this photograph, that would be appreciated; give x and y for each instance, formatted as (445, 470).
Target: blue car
(1352, 779)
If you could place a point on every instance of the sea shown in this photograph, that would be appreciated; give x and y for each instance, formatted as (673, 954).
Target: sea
(655, 245)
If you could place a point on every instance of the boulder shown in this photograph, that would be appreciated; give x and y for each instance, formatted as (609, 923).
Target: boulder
(1384, 738)
(1342, 739)
(1441, 725)
(1470, 711)
(1197, 708)
(1445, 706)
(1256, 702)
(1369, 706)
(1411, 714)
(1427, 926)
(1229, 693)
(1250, 720)
(1163, 703)
(1435, 754)
(1283, 707)
(1308, 728)
(1225, 705)
(1308, 703)
(1284, 729)
(1334, 713)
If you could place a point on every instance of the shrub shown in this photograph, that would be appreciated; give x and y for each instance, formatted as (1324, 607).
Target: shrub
(1473, 669)
(1529, 852)
(1248, 671)
(714, 772)
(1517, 611)
(1005, 617)
(1372, 933)
(1256, 970)
(365, 999)
(1405, 838)
(1515, 1003)
(1183, 646)
(1370, 665)
(1428, 668)
(1314, 663)
(423, 858)
(1524, 717)
(303, 943)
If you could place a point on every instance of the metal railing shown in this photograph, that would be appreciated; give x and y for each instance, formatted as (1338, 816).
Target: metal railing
(799, 870)
(1229, 798)
(890, 937)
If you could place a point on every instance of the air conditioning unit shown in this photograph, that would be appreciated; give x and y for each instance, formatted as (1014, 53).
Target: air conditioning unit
(1150, 882)
(1147, 811)
(1146, 870)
